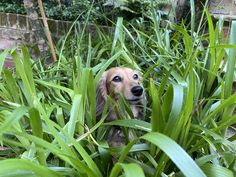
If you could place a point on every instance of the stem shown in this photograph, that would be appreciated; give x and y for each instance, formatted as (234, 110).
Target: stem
(48, 34)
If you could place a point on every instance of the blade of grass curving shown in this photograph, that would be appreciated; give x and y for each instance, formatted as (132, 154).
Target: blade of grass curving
(131, 123)
(156, 20)
(11, 86)
(167, 103)
(126, 150)
(187, 39)
(230, 70)
(60, 117)
(130, 60)
(36, 125)
(74, 115)
(118, 33)
(212, 58)
(206, 4)
(28, 82)
(5, 94)
(54, 149)
(92, 98)
(223, 104)
(83, 85)
(181, 159)
(130, 170)
(27, 67)
(214, 170)
(36, 122)
(146, 168)
(3, 57)
(225, 123)
(50, 127)
(192, 5)
(187, 107)
(13, 118)
(86, 157)
(157, 120)
(176, 109)
(106, 65)
(14, 167)
(89, 54)
(218, 138)
(55, 86)
(167, 66)
(207, 158)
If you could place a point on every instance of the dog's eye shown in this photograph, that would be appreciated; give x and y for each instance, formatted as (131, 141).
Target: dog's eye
(116, 79)
(135, 76)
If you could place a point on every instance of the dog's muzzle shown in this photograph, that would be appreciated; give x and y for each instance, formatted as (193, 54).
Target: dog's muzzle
(137, 91)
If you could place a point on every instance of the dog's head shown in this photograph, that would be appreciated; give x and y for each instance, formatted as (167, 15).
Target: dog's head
(119, 81)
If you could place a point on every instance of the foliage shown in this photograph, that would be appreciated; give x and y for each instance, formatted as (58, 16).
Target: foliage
(47, 113)
(136, 8)
(12, 7)
(101, 11)
(55, 10)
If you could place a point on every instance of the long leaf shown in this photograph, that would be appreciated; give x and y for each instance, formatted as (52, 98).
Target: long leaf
(20, 167)
(182, 160)
(130, 170)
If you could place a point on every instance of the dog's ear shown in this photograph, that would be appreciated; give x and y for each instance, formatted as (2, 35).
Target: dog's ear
(101, 94)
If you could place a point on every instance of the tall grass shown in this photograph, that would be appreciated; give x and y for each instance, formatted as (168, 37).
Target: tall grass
(47, 113)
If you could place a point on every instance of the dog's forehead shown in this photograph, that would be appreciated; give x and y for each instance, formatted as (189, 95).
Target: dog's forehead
(121, 71)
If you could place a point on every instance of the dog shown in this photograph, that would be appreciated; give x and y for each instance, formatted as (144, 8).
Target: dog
(113, 83)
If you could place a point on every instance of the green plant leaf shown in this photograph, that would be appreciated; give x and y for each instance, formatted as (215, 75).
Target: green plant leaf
(213, 170)
(181, 159)
(130, 170)
(20, 167)
(3, 56)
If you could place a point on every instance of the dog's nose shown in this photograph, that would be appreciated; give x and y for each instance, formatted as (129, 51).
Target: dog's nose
(137, 91)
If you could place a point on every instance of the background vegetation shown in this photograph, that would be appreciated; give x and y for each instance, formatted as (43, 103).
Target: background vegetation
(101, 11)
(47, 112)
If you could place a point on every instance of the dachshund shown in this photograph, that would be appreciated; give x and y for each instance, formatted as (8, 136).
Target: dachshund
(113, 83)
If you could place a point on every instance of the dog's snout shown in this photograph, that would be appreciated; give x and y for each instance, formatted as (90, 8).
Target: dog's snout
(137, 91)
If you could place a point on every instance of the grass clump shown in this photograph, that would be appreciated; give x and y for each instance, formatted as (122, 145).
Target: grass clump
(47, 113)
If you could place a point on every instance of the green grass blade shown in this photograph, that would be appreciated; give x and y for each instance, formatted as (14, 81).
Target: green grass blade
(212, 58)
(157, 120)
(107, 64)
(13, 118)
(181, 159)
(229, 76)
(74, 116)
(11, 86)
(27, 67)
(92, 98)
(213, 170)
(89, 55)
(28, 83)
(86, 157)
(36, 125)
(130, 170)
(55, 86)
(118, 33)
(16, 166)
(177, 105)
(62, 154)
(131, 123)
(3, 56)
(192, 4)
(223, 104)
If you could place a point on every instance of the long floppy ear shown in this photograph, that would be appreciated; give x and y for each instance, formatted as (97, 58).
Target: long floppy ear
(101, 94)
